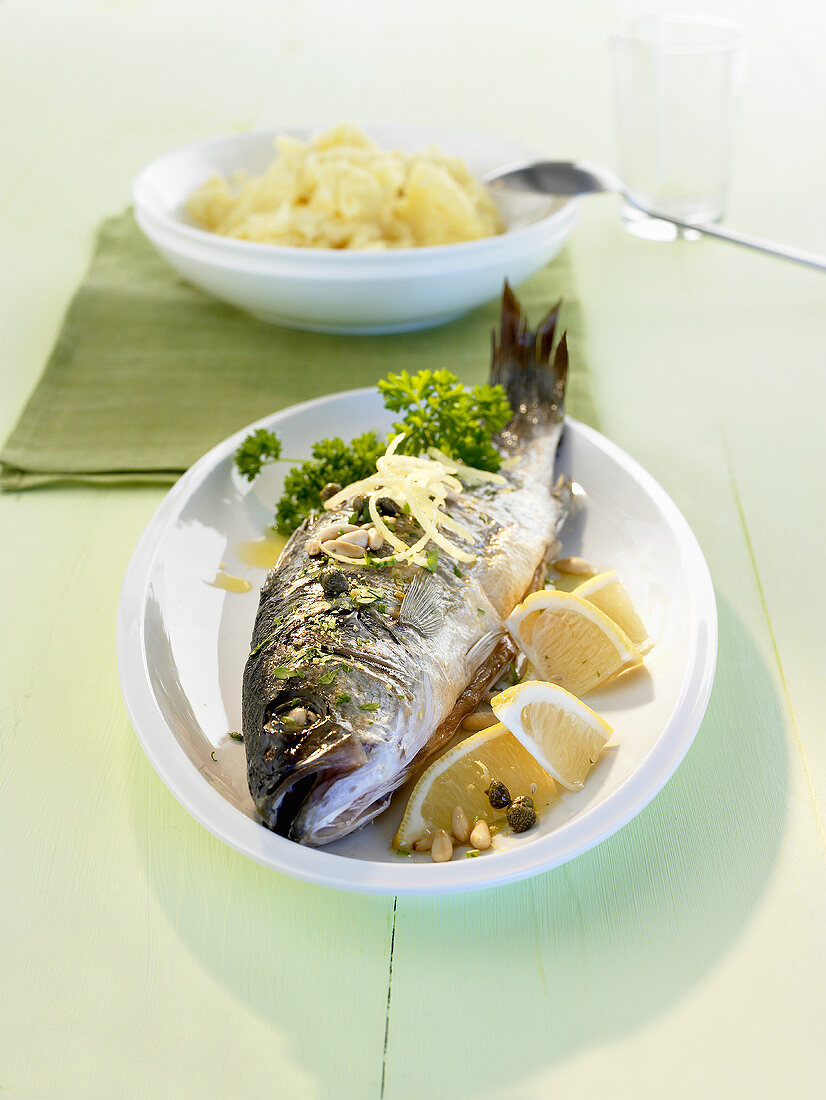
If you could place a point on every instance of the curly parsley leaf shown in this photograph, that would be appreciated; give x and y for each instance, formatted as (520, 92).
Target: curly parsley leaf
(259, 448)
(332, 460)
(441, 412)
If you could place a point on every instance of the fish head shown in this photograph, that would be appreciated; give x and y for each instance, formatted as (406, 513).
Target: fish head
(292, 758)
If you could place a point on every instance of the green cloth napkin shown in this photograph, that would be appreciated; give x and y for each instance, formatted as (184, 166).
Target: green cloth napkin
(148, 373)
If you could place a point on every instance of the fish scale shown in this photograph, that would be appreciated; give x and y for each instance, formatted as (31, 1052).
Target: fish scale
(385, 682)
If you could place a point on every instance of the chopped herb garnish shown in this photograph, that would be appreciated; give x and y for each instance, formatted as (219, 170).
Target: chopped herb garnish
(402, 851)
(276, 625)
(343, 698)
(481, 610)
(472, 852)
(282, 673)
(328, 677)
(513, 675)
(432, 560)
(368, 706)
(236, 736)
(379, 563)
(457, 572)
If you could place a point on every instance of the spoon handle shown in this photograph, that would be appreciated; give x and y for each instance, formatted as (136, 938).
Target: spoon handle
(784, 252)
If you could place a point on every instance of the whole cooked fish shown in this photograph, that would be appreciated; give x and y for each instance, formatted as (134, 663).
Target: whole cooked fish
(358, 673)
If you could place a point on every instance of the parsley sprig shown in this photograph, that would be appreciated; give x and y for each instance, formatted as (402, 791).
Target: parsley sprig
(441, 412)
(258, 449)
(438, 412)
(333, 460)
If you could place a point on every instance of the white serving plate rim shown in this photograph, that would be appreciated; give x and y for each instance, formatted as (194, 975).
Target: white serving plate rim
(252, 250)
(250, 838)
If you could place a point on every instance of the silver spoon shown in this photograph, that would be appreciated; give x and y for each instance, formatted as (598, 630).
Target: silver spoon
(583, 177)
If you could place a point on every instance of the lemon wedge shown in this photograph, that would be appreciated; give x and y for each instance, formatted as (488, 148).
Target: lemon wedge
(570, 641)
(461, 776)
(607, 592)
(562, 734)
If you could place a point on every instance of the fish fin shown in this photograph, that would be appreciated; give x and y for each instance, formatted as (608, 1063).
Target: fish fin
(526, 363)
(483, 647)
(420, 607)
(568, 498)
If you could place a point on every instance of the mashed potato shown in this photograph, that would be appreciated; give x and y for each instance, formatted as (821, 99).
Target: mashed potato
(342, 191)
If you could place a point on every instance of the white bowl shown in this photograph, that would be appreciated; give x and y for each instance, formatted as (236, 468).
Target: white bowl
(329, 290)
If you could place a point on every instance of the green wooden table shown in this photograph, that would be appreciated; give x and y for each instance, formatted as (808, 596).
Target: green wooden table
(685, 956)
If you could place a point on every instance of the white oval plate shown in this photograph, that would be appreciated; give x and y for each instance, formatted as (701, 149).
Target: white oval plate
(182, 645)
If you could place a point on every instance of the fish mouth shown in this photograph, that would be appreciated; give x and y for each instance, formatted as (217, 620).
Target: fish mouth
(292, 763)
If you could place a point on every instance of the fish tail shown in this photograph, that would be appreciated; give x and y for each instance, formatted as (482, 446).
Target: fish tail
(527, 364)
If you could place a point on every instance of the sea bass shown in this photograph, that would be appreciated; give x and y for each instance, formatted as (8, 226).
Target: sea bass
(358, 672)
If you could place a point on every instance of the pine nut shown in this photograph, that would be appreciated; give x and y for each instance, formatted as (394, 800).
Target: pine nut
(478, 721)
(460, 825)
(333, 530)
(374, 539)
(313, 548)
(424, 843)
(441, 849)
(480, 835)
(346, 549)
(357, 537)
(575, 566)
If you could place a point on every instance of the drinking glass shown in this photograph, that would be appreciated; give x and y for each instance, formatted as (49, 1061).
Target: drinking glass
(676, 82)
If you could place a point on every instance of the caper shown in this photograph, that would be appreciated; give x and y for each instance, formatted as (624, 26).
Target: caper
(387, 507)
(498, 795)
(521, 816)
(523, 800)
(330, 490)
(335, 584)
